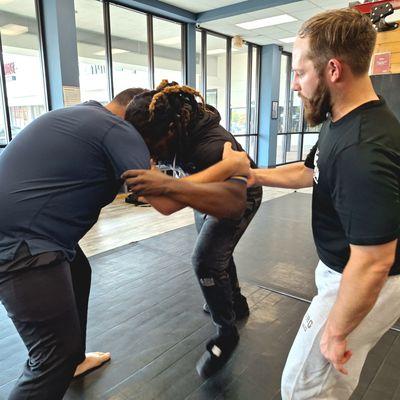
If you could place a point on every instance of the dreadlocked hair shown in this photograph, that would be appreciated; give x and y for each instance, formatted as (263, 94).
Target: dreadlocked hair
(186, 94)
(169, 107)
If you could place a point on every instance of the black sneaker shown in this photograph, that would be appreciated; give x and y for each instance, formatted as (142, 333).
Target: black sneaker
(219, 350)
(133, 199)
(240, 307)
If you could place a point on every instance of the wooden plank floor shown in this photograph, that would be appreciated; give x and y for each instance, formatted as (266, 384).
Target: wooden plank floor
(145, 308)
(122, 223)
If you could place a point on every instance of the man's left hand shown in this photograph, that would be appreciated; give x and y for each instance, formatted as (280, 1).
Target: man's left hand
(146, 182)
(335, 351)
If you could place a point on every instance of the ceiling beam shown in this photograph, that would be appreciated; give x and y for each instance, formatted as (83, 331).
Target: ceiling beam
(243, 7)
(159, 8)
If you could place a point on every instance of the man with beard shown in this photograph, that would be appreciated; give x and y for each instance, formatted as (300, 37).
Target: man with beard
(355, 210)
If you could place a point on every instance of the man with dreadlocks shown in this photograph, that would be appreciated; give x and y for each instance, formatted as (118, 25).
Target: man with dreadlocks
(176, 127)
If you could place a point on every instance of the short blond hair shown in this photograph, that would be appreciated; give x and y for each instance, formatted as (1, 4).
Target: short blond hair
(345, 34)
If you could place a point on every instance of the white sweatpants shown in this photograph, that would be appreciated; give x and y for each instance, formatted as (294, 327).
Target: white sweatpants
(307, 374)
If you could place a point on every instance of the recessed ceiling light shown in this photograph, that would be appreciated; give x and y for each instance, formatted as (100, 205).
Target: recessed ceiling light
(13, 29)
(169, 41)
(113, 51)
(260, 23)
(288, 39)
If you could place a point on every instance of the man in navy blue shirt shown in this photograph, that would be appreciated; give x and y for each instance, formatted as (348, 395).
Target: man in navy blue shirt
(55, 177)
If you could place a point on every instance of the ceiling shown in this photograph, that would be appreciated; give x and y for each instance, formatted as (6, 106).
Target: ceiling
(301, 10)
(132, 25)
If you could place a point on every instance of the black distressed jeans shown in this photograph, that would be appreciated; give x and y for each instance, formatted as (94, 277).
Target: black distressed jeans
(213, 261)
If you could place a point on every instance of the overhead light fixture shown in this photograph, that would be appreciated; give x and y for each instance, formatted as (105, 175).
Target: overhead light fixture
(237, 42)
(13, 29)
(270, 21)
(113, 51)
(169, 41)
(288, 39)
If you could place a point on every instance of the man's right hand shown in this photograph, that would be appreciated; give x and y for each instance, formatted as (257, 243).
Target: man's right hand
(239, 160)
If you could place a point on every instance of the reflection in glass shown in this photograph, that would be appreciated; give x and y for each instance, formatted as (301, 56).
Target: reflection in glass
(239, 87)
(168, 55)
(129, 48)
(91, 51)
(22, 63)
(216, 74)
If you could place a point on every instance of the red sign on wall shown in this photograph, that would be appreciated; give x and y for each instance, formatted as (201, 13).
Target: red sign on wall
(381, 64)
(9, 68)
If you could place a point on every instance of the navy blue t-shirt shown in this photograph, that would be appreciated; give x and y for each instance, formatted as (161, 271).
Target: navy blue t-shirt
(58, 173)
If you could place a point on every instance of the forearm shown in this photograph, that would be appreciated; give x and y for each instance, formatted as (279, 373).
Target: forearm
(218, 172)
(291, 176)
(359, 290)
(165, 205)
(222, 200)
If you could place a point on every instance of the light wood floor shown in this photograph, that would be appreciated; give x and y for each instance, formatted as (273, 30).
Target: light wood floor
(121, 223)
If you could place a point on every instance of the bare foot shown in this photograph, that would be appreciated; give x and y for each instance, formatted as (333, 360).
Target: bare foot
(91, 362)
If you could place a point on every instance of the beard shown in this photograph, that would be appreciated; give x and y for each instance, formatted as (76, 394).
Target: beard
(317, 107)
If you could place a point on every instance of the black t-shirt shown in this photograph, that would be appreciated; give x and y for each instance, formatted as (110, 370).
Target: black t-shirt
(356, 196)
(205, 144)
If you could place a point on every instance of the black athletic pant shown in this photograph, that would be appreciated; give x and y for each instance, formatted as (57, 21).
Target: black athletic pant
(47, 303)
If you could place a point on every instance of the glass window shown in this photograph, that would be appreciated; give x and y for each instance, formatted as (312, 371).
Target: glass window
(283, 86)
(93, 79)
(199, 75)
(308, 128)
(295, 113)
(239, 87)
(167, 37)
(254, 100)
(22, 63)
(216, 75)
(3, 134)
(308, 142)
(293, 143)
(129, 48)
(244, 142)
(280, 147)
(252, 150)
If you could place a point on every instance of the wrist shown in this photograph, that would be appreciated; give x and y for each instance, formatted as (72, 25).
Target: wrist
(334, 333)
(171, 186)
(255, 176)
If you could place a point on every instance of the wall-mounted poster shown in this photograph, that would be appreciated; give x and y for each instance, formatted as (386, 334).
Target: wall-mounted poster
(381, 63)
